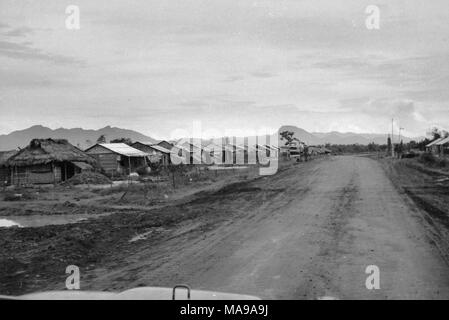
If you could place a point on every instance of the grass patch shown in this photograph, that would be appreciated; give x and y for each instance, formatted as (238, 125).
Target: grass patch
(432, 161)
(19, 195)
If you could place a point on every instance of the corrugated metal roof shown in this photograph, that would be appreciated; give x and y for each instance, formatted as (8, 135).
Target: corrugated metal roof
(444, 141)
(213, 146)
(155, 146)
(159, 148)
(434, 142)
(124, 149)
(147, 143)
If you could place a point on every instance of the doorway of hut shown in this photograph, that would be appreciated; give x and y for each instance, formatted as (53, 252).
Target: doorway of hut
(68, 170)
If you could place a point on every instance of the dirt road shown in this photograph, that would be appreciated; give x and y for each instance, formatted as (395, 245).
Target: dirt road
(308, 232)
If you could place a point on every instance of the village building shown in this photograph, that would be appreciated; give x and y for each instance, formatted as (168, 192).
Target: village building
(433, 147)
(213, 153)
(165, 144)
(118, 158)
(190, 153)
(314, 150)
(443, 146)
(229, 154)
(156, 153)
(46, 161)
(5, 172)
(271, 150)
(284, 151)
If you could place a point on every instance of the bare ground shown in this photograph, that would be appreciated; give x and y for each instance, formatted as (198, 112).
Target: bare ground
(307, 232)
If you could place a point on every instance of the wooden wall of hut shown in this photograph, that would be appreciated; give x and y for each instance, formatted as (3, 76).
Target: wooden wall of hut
(36, 174)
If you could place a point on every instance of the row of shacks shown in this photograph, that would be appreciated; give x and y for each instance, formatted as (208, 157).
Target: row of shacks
(50, 161)
(225, 152)
(439, 146)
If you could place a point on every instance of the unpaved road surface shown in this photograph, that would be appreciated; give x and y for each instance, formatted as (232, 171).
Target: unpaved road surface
(314, 238)
(307, 232)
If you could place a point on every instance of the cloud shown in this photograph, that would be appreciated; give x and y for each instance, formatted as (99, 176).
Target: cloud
(262, 74)
(24, 51)
(245, 62)
(19, 32)
(233, 78)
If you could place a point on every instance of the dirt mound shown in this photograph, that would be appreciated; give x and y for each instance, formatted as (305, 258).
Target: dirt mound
(88, 178)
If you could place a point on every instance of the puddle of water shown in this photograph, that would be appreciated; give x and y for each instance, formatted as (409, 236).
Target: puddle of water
(43, 220)
(327, 298)
(6, 223)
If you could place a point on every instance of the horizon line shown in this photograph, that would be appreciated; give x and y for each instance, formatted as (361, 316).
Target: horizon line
(151, 135)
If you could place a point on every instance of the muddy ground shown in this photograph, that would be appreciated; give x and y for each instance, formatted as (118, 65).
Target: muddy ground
(307, 232)
(428, 188)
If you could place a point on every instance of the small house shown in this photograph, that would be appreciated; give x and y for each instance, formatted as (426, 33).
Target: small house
(433, 147)
(165, 144)
(118, 158)
(156, 153)
(46, 161)
(191, 153)
(5, 173)
(443, 146)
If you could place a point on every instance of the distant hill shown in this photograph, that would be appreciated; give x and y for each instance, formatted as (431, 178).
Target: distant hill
(302, 135)
(85, 138)
(334, 137)
(353, 138)
(76, 136)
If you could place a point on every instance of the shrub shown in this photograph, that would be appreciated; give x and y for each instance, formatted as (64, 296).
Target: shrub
(442, 163)
(427, 158)
(432, 161)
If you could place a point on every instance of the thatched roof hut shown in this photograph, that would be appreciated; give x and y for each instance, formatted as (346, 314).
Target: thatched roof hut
(5, 173)
(5, 155)
(44, 151)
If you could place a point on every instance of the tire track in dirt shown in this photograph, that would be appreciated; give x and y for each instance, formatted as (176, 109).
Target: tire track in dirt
(307, 232)
(203, 247)
(322, 269)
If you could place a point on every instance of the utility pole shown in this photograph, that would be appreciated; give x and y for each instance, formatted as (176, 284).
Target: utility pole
(392, 138)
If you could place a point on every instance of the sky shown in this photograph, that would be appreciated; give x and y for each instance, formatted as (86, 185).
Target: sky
(231, 65)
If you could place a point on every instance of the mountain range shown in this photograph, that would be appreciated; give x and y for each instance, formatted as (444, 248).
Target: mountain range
(85, 138)
(79, 137)
(334, 137)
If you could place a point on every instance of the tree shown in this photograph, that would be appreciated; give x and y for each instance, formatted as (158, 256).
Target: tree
(438, 133)
(435, 133)
(372, 147)
(287, 135)
(127, 141)
(101, 139)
